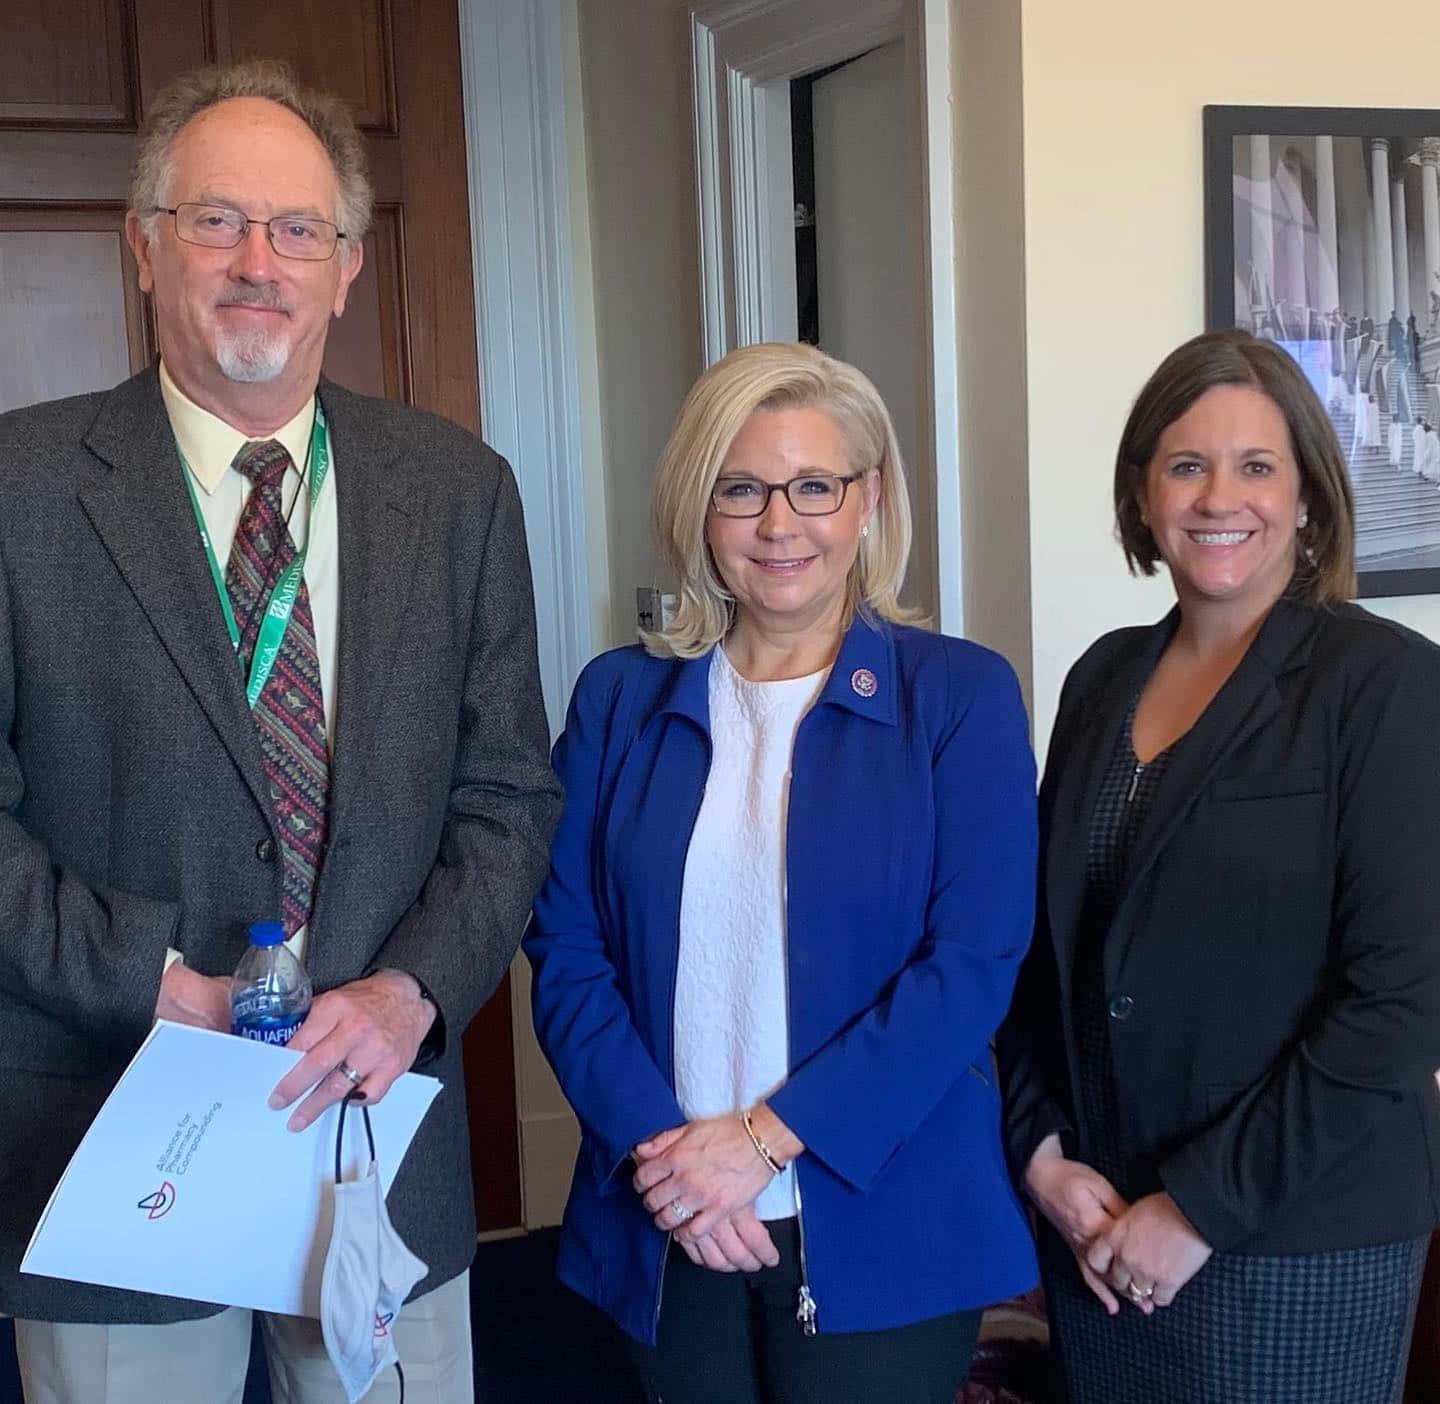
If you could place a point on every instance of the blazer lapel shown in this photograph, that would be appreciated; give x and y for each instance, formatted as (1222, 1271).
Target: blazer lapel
(1246, 701)
(1090, 745)
(142, 514)
(378, 527)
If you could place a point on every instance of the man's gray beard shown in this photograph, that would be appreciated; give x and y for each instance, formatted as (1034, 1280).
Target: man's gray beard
(253, 359)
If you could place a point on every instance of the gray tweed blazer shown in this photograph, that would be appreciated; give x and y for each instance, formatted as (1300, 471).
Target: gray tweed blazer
(133, 797)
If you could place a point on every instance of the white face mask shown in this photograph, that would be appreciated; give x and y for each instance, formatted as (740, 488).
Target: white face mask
(368, 1274)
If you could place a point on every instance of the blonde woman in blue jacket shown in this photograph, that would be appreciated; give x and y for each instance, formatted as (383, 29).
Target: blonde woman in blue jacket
(787, 901)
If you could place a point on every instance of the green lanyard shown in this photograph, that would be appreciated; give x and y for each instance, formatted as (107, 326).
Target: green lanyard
(287, 587)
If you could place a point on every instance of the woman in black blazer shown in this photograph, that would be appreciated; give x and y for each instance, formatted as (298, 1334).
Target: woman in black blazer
(1220, 1062)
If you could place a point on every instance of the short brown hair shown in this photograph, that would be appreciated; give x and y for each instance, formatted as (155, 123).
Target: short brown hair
(191, 93)
(1325, 547)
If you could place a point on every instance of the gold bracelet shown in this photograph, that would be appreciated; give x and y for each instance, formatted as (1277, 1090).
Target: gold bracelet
(761, 1149)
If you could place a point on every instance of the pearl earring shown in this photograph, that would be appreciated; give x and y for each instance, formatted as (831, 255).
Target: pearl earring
(1303, 521)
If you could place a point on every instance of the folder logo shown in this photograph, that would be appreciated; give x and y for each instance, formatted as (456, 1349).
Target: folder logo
(158, 1204)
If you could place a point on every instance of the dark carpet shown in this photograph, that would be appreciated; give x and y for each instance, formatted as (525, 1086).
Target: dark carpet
(535, 1342)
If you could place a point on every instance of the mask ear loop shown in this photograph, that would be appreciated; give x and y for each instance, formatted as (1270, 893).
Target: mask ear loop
(340, 1130)
(370, 1139)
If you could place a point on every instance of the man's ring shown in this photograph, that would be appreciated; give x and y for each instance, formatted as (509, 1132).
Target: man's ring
(680, 1212)
(349, 1074)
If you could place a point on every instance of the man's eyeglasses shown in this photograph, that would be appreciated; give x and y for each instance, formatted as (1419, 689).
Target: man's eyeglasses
(219, 227)
(809, 495)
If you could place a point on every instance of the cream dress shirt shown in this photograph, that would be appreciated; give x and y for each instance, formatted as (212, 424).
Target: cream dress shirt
(209, 446)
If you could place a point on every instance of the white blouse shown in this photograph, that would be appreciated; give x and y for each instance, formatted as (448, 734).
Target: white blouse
(731, 1019)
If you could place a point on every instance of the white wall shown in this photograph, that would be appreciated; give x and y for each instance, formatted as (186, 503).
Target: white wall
(582, 254)
(1113, 234)
(991, 300)
(635, 73)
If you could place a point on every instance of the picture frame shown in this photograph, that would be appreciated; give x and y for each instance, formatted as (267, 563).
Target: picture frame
(1299, 250)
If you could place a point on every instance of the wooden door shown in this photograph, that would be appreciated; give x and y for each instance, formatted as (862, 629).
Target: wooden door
(75, 77)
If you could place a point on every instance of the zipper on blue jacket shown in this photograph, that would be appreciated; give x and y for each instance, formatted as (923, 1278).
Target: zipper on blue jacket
(807, 1313)
(807, 1310)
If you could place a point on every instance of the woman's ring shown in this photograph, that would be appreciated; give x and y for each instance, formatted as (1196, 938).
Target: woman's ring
(349, 1074)
(1139, 1294)
(680, 1212)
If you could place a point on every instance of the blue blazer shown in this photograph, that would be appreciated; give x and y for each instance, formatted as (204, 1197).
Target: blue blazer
(911, 878)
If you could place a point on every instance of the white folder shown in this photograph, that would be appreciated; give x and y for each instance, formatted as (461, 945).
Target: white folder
(187, 1184)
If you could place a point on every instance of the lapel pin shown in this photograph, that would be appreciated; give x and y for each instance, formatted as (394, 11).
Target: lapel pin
(863, 682)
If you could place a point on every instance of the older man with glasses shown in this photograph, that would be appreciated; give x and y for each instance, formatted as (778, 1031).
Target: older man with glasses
(377, 780)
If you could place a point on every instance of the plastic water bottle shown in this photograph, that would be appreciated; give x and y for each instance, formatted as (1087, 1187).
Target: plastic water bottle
(270, 991)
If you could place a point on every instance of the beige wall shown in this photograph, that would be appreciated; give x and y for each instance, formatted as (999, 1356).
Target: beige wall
(990, 304)
(1113, 233)
(635, 74)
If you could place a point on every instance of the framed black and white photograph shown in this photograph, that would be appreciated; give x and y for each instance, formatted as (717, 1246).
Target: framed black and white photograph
(1322, 234)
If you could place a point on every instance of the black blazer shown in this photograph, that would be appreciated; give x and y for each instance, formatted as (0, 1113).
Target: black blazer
(1272, 970)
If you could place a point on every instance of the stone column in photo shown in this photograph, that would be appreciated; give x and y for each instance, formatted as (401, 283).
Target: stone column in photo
(1352, 217)
(1291, 223)
(1262, 252)
(1430, 215)
(1372, 288)
(1383, 249)
(1400, 245)
(1327, 291)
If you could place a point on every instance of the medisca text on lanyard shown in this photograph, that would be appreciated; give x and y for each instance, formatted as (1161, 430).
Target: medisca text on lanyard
(287, 587)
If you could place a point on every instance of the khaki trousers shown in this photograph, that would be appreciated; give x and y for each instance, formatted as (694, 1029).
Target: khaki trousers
(204, 1362)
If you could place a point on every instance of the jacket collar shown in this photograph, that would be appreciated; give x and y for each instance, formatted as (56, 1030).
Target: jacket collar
(1248, 698)
(864, 679)
(867, 654)
(210, 446)
(140, 512)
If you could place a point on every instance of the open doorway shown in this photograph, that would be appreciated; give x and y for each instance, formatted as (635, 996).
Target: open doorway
(857, 278)
(858, 91)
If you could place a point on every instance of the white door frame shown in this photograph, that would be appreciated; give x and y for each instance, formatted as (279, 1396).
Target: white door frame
(519, 62)
(522, 232)
(741, 49)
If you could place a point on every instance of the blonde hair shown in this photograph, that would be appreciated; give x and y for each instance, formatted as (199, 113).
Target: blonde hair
(191, 93)
(772, 376)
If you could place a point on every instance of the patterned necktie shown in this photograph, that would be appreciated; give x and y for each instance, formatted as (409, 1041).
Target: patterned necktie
(290, 711)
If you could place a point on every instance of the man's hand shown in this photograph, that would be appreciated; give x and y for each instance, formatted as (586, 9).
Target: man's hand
(374, 1026)
(188, 997)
